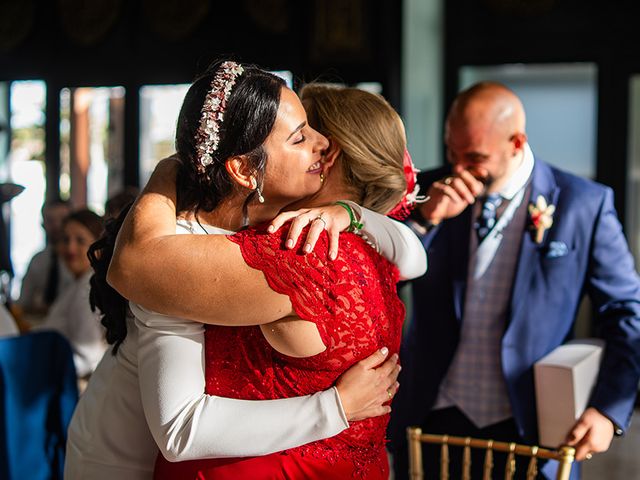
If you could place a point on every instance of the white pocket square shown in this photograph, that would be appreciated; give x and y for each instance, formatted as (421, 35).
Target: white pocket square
(557, 249)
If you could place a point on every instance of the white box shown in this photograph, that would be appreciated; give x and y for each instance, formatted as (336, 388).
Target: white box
(564, 380)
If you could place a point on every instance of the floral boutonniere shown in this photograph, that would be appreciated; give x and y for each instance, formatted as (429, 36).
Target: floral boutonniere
(541, 216)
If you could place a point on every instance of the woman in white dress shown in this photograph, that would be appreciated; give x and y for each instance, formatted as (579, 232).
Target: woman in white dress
(109, 435)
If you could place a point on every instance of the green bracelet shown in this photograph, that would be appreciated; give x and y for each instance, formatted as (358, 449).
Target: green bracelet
(354, 226)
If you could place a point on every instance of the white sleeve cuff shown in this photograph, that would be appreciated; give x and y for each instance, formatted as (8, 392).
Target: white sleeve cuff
(343, 416)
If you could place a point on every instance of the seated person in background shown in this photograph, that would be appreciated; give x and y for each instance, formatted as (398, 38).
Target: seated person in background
(71, 313)
(46, 276)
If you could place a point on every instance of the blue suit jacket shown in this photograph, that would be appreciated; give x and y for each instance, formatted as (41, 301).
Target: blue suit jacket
(548, 287)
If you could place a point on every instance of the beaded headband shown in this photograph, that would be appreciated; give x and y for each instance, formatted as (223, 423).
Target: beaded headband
(212, 114)
(403, 209)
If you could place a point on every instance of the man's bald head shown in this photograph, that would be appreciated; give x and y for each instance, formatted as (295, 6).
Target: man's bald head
(488, 105)
(486, 128)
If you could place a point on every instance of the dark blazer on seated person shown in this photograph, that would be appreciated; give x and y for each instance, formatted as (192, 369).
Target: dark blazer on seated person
(584, 251)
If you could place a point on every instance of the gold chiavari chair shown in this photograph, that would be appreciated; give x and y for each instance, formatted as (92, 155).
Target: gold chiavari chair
(564, 455)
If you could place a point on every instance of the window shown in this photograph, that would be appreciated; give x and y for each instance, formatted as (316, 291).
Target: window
(159, 108)
(633, 172)
(25, 166)
(91, 145)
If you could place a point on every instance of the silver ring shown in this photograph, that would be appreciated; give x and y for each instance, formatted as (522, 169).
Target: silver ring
(448, 180)
(589, 456)
(319, 217)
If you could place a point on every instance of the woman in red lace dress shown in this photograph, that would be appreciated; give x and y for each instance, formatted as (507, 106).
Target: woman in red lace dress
(353, 304)
(333, 313)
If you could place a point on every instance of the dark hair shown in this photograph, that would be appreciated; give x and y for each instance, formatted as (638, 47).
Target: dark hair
(56, 202)
(103, 296)
(248, 120)
(114, 204)
(88, 219)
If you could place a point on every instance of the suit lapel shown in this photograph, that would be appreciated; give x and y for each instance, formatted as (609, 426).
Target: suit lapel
(542, 183)
(459, 240)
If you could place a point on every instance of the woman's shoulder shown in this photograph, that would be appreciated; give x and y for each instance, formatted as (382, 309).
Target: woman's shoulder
(359, 252)
(263, 249)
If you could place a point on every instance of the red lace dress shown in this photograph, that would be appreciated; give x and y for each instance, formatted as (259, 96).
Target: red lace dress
(353, 302)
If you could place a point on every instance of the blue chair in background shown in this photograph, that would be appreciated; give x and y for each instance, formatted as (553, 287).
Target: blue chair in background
(38, 393)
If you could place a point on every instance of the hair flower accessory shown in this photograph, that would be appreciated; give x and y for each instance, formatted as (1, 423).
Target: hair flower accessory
(215, 103)
(541, 216)
(403, 209)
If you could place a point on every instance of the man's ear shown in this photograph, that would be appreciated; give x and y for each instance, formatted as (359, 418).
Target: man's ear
(240, 172)
(518, 140)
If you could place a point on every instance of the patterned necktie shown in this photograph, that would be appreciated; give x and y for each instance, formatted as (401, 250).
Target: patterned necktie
(487, 218)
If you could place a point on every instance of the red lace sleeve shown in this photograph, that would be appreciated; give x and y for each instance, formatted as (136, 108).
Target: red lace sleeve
(307, 279)
(349, 299)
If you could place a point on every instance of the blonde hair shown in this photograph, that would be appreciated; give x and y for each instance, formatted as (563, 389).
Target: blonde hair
(371, 138)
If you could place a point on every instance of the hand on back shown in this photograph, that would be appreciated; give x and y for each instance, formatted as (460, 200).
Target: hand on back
(366, 389)
(332, 218)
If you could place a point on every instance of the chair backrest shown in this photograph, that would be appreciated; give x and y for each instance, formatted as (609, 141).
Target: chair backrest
(564, 455)
(38, 393)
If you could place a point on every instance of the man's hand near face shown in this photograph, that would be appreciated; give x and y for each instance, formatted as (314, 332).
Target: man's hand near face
(450, 195)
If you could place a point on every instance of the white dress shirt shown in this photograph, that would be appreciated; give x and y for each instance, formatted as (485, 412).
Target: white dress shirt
(520, 176)
(34, 282)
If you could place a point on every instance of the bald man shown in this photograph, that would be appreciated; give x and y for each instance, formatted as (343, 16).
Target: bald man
(513, 245)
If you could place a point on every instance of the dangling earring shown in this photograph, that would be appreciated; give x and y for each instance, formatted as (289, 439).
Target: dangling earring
(254, 186)
(321, 178)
